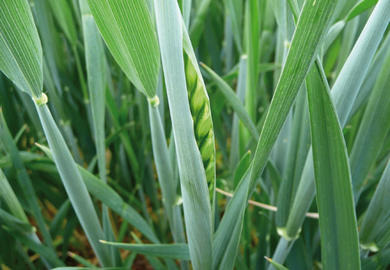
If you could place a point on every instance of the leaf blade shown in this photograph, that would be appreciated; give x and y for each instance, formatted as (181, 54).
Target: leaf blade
(339, 238)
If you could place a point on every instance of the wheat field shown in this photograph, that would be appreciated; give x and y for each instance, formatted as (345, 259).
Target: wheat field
(195, 134)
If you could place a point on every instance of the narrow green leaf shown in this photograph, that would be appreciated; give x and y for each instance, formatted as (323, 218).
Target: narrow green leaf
(121, 24)
(24, 180)
(339, 239)
(63, 13)
(196, 202)
(252, 37)
(83, 268)
(234, 101)
(96, 71)
(166, 175)
(374, 233)
(360, 7)
(198, 23)
(356, 66)
(31, 241)
(375, 68)
(10, 199)
(73, 184)
(14, 224)
(109, 197)
(311, 28)
(242, 167)
(312, 25)
(373, 129)
(173, 251)
(298, 146)
(277, 266)
(343, 93)
(237, 134)
(234, 10)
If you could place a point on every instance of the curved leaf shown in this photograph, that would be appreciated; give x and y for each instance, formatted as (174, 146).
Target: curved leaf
(339, 238)
(20, 47)
(128, 31)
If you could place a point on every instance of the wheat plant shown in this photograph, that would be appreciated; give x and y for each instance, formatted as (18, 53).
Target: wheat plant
(195, 134)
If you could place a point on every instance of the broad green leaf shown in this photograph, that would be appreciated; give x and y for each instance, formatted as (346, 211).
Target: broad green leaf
(196, 201)
(338, 227)
(312, 26)
(19, 35)
(46, 27)
(173, 251)
(20, 48)
(128, 31)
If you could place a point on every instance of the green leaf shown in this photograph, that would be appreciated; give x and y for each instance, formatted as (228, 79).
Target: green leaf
(121, 23)
(298, 146)
(373, 129)
(252, 37)
(312, 27)
(82, 268)
(31, 241)
(234, 101)
(166, 175)
(8, 196)
(63, 13)
(20, 48)
(196, 200)
(343, 93)
(97, 77)
(374, 233)
(74, 185)
(173, 251)
(109, 197)
(277, 266)
(360, 7)
(14, 224)
(339, 238)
